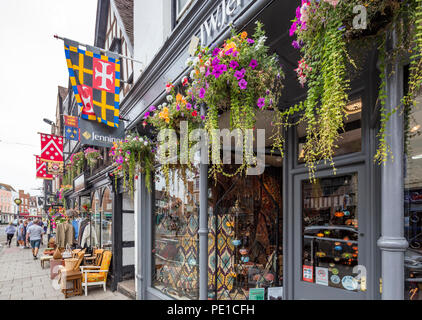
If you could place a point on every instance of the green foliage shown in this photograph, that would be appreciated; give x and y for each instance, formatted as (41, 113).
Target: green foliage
(131, 157)
(242, 95)
(324, 30)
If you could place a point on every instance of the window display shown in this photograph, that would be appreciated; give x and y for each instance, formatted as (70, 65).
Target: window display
(330, 247)
(96, 215)
(351, 138)
(106, 220)
(413, 209)
(175, 239)
(245, 242)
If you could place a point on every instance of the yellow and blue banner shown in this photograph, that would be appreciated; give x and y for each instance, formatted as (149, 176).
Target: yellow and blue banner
(95, 80)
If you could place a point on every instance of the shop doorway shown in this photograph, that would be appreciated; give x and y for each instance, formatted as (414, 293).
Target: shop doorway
(330, 253)
(245, 237)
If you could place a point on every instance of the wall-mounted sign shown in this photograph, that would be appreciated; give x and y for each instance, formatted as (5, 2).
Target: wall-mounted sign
(225, 13)
(79, 183)
(97, 134)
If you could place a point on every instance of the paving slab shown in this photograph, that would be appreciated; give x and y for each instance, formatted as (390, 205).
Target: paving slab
(21, 278)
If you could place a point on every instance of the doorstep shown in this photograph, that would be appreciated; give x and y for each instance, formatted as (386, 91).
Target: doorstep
(127, 288)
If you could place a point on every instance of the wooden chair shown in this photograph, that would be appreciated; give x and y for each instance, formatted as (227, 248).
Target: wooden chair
(80, 257)
(96, 275)
(95, 259)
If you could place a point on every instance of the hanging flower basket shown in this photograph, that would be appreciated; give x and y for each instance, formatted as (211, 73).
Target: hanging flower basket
(324, 31)
(92, 156)
(77, 162)
(170, 115)
(242, 78)
(131, 157)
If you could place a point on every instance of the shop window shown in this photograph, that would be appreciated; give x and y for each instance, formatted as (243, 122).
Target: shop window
(330, 232)
(175, 243)
(106, 220)
(350, 139)
(180, 7)
(413, 208)
(245, 240)
(96, 217)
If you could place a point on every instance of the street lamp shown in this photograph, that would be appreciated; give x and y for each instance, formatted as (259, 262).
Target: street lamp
(51, 123)
(18, 203)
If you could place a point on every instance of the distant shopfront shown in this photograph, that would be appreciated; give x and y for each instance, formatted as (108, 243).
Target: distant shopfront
(275, 235)
(109, 213)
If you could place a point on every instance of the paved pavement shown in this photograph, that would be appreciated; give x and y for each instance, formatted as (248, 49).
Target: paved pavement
(21, 277)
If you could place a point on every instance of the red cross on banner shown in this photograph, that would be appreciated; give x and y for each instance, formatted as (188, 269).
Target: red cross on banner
(42, 170)
(51, 148)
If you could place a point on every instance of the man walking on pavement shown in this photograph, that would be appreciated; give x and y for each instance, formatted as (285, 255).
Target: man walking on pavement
(25, 229)
(10, 231)
(35, 233)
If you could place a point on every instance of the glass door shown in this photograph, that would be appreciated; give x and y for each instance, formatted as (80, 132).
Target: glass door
(329, 234)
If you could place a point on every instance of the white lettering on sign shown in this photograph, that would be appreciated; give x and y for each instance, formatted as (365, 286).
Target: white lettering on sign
(219, 19)
(98, 137)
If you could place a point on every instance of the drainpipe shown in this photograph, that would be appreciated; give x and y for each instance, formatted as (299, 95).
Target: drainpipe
(203, 226)
(139, 208)
(392, 242)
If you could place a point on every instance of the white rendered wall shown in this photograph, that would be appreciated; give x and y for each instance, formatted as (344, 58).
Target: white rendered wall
(152, 26)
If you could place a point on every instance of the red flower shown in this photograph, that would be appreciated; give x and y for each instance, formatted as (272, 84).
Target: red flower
(194, 113)
(185, 81)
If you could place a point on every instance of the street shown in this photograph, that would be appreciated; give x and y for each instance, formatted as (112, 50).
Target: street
(21, 277)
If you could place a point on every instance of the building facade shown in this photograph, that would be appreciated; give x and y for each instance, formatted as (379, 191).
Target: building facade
(287, 256)
(7, 206)
(352, 235)
(24, 207)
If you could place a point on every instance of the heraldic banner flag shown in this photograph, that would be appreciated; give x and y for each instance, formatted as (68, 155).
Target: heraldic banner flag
(51, 148)
(71, 128)
(55, 168)
(42, 169)
(95, 80)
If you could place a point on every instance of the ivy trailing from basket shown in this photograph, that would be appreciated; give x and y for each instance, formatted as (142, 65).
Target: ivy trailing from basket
(131, 157)
(324, 31)
(92, 156)
(167, 118)
(242, 78)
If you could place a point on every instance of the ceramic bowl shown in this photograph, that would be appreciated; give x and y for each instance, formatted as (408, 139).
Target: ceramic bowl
(236, 242)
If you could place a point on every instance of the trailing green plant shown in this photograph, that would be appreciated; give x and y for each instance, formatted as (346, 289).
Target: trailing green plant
(242, 78)
(324, 31)
(92, 156)
(169, 116)
(77, 161)
(131, 157)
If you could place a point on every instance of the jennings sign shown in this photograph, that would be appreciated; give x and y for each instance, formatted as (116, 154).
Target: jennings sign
(95, 134)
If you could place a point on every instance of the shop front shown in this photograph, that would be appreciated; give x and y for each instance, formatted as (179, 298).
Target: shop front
(103, 212)
(275, 235)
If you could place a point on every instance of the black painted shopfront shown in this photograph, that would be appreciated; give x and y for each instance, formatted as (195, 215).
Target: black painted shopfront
(108, 211)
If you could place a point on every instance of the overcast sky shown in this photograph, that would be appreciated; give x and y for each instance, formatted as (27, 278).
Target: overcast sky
(32, 66)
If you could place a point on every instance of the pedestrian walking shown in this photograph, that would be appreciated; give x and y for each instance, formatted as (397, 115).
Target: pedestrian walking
(34, 234)
(10, 232)
(21, 234)
(25, 239)
(41, 224)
